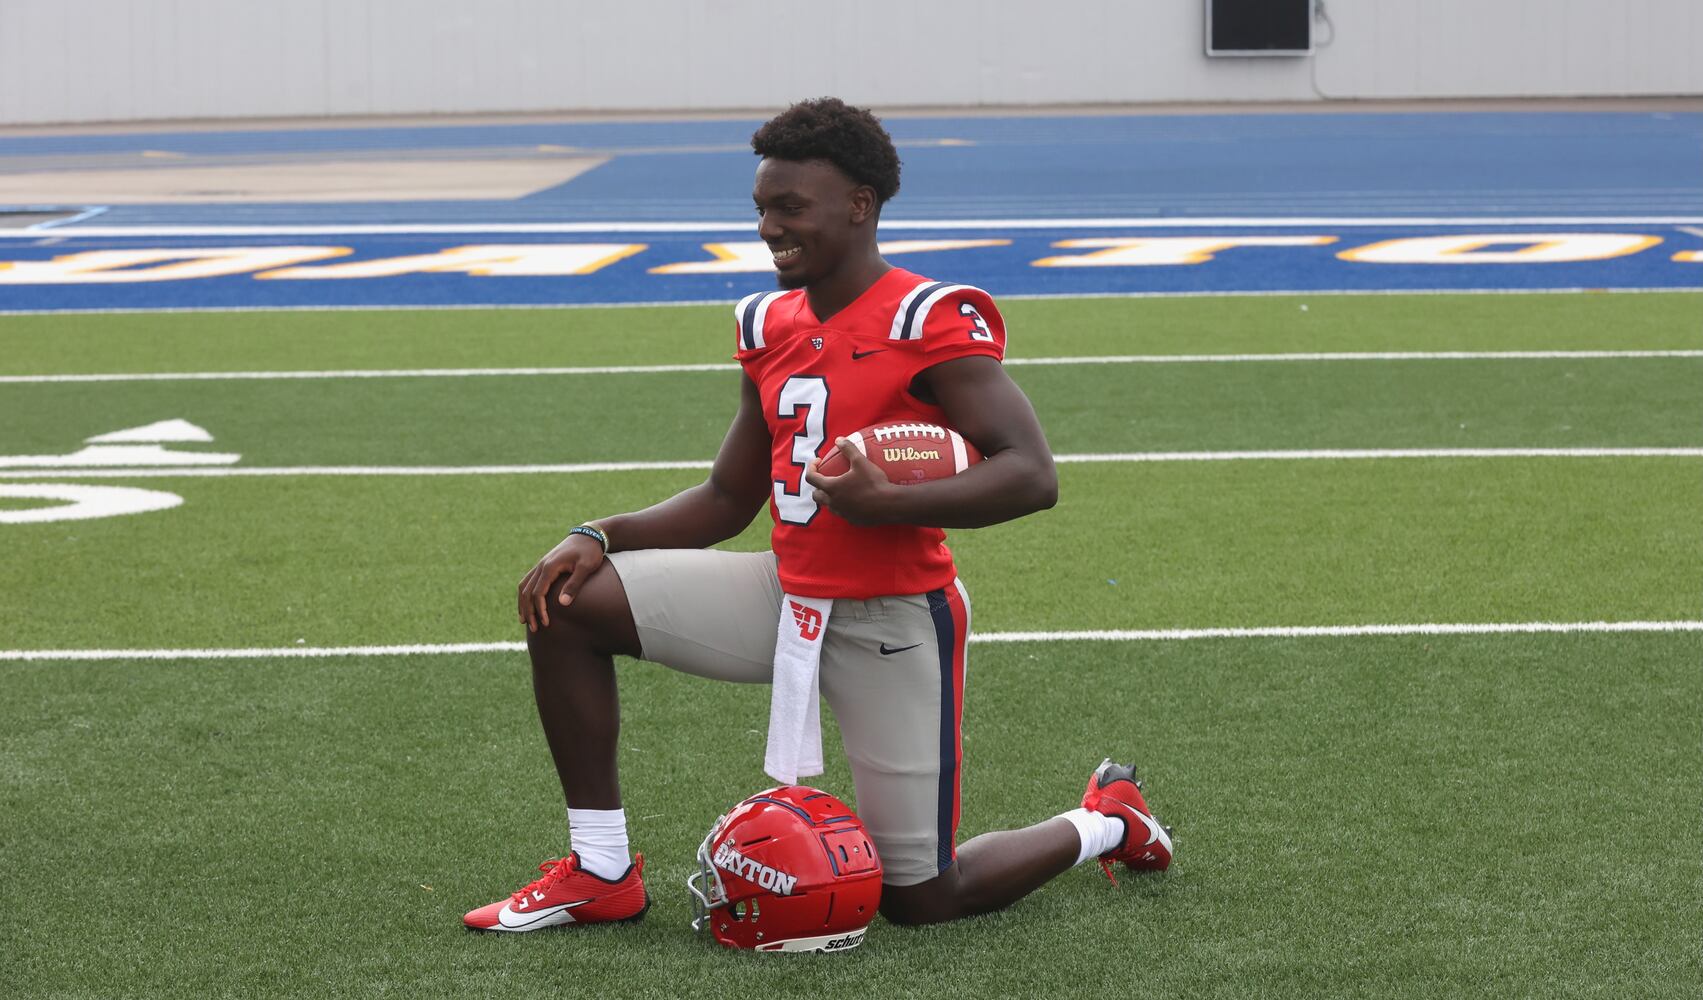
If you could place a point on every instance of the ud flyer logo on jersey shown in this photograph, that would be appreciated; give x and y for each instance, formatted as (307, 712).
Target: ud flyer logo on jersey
(778, 882)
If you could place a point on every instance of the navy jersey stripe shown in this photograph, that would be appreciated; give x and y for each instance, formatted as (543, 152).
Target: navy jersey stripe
(945, 631)
(748, 323)
(916, 303)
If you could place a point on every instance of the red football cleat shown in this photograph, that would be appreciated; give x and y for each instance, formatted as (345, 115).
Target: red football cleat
(1114, 791)
(567, 895)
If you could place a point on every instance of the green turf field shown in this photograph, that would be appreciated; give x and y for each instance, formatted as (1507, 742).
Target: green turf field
(1394, 816)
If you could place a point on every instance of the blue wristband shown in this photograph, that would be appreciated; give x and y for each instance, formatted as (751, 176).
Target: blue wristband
(592, 533)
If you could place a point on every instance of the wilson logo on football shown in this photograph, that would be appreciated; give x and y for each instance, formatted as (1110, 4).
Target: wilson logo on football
(809, 621)
(774, 880)
(909, 455)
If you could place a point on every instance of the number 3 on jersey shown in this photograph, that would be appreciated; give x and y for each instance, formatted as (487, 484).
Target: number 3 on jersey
(979, 330)
(810, 393)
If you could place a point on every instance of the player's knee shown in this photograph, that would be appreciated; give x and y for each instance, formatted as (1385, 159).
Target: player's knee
(598, 616)
(931, 902)
(910, 914)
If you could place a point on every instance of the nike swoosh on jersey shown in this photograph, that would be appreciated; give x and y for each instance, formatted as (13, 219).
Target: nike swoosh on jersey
(889, 652)
(860, 355)
(514, 921)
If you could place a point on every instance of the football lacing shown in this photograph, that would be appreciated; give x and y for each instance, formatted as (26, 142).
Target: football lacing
(910, 430)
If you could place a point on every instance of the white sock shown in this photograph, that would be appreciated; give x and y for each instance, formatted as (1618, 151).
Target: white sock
(599, 837)
(1099, 832)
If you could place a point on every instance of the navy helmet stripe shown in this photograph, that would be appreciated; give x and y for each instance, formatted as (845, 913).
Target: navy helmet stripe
(777, 802)
(916, 303)
(945, 631)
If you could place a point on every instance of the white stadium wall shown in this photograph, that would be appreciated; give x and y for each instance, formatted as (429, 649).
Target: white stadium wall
(131, 60)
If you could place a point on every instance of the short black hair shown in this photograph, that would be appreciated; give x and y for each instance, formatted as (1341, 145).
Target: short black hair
(828, 128)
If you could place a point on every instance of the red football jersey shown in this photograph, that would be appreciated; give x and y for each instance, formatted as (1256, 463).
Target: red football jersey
(821, 381)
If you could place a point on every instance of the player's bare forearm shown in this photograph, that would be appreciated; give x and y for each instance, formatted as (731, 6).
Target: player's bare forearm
(1017, 477)
(719, 507)
(987, 408)
(1005, 486)
(694, 518)
(714, 510)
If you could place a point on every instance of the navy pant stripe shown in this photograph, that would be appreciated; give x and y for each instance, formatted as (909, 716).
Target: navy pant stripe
(945, 631)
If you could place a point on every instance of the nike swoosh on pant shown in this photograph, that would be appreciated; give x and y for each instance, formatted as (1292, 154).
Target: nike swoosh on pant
(510, 919)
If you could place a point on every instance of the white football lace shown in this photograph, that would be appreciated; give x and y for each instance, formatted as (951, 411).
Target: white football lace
(910, 430)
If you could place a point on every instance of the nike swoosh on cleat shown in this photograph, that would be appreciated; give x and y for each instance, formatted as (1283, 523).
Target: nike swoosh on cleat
(534, 916)
(889, 652)
(1154, 832)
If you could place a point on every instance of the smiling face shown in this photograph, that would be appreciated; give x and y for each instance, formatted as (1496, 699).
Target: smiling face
(813, 217)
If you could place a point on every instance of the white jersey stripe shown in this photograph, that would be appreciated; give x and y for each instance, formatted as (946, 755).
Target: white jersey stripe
(750, 313)
(898, 330)
(740, 316)
(914, 326)
(762, 314)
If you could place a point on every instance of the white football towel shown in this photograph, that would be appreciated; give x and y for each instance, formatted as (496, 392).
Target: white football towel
(795, 703)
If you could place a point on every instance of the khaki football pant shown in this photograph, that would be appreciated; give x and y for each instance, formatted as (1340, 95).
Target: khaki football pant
(892, 673)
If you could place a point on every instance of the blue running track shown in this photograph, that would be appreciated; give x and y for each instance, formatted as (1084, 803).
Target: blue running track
(1483, 202)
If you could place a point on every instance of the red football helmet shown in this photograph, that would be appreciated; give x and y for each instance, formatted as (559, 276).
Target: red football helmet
(789, 869)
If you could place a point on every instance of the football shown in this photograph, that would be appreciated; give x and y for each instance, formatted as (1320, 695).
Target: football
(907, 452)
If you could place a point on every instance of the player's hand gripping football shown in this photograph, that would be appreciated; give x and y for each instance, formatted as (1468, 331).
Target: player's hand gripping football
(576, 557)
(863, 495)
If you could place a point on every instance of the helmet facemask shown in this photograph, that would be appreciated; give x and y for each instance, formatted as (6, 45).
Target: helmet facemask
(707, 889)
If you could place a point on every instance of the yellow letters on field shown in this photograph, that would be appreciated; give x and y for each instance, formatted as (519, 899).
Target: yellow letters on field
(754, 257)
(1534, 248)
(536, 260)
(125, 266)
(1151, 251)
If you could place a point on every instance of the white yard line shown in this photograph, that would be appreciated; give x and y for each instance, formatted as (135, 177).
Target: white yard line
(746, 225)
(347, 373)
(352, 470)
(661, 303)
(1121, 635)
(1103, 359)
(1349, 454)
(1131, 457)
(1339, 631)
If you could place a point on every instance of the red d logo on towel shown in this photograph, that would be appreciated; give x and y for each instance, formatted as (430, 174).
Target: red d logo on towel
(809, 621)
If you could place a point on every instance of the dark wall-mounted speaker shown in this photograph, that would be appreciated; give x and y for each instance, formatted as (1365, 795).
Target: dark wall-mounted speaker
(1259, 27)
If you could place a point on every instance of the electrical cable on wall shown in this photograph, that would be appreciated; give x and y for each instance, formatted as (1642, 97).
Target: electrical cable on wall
(1320, 14)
